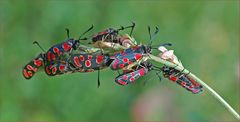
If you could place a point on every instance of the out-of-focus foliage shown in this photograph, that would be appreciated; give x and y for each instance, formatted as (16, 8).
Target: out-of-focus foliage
(205, 35)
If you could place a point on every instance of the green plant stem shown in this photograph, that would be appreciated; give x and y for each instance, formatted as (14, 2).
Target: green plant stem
(185, 71)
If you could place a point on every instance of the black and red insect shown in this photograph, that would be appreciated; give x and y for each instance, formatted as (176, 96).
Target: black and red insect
(182, 79)
(81, 62)
(133, 54)
(51, 68)
(58, 68)
(172, 74)
(129, 76)
(89, 62)
(61, 51)
(55, 56)
(111, 37)
(33, 66)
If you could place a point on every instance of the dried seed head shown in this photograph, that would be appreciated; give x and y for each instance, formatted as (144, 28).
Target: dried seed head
(168, 55)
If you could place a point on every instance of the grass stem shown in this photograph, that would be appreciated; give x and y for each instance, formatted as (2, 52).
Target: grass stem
(185, 71)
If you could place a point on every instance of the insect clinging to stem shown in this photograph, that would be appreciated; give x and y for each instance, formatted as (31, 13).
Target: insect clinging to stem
(110, 38)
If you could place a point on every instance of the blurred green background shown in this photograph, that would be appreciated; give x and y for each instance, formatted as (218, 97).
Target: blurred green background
(205, 35)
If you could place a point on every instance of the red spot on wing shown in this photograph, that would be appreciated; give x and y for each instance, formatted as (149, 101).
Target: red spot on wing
(194, 82)
(125, 60)
(141, 72)
(49, 56)
(30, 73)
(53, 56)
(47, 70)
(81, 58)
(29, 67)
(121, 82)
(56, 50)
(132, 74)
(121, 65)
(87, 63)
(132, 79)
(195, 90)
(89, 57)
(54, 69)
(197, 85)
(183, 83)
(25, 74)
(173, 78)
(138, 56)
(125, 77)
(38, 63)
(66, 46)
(61, 67)
(99, 59)
(129, 62)
(115, 64)
(76, 61)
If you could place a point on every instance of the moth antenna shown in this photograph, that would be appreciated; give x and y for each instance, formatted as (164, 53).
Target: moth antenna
(98, 78)
(85, 33)
(149, 32)
(67, 30)
(133, 26)
(35, 42)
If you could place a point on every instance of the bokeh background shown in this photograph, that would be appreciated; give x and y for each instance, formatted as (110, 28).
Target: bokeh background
(205, 35)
